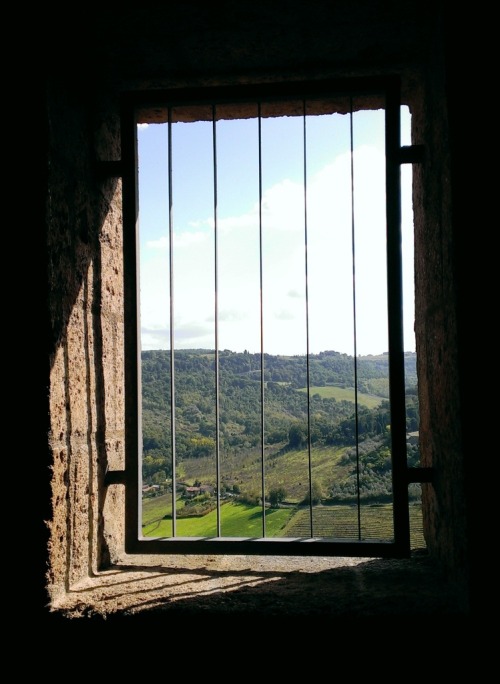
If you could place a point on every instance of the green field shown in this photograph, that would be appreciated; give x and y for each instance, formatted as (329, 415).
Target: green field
(345, 394)
(241, 520)
(237, 520)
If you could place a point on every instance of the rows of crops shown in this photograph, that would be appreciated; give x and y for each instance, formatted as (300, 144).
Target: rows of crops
(342, 522)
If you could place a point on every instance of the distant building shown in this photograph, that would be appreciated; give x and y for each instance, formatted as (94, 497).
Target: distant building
(191, 492)
(412, 437)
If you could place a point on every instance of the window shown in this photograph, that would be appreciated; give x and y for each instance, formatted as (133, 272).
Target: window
(265, 335)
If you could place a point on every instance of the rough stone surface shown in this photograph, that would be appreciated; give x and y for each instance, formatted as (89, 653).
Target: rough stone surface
(146, 587)
(189, 44)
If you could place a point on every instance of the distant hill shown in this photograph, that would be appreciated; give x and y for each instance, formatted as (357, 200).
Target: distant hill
(283, 406)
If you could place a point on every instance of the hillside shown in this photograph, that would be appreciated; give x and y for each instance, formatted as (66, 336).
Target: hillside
(281, 404)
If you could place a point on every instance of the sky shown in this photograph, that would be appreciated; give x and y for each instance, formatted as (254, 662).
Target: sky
(292, 234)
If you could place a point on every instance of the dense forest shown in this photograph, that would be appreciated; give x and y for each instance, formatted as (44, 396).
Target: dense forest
(252, 398)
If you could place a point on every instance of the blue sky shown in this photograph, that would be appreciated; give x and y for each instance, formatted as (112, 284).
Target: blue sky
(319, 204)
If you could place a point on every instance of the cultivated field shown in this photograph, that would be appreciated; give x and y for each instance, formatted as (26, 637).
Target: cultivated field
(241, 520)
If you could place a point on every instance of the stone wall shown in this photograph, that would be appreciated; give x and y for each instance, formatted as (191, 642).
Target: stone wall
(436, 327)
(83, 220)
(86, 394)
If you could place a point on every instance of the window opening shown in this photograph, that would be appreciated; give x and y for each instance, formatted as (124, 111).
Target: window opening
(411, 380)
(276, 416)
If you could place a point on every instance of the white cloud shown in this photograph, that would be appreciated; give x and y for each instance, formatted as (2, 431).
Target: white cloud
(329, 267)
(161, 243)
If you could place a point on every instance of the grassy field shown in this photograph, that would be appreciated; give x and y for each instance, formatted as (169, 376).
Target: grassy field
(346, 394)
(240, 520)
(237, 520)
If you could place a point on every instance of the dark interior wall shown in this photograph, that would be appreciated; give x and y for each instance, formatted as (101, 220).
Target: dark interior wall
(468, 211)
(194, 43)
(436, 321)
(200, 43)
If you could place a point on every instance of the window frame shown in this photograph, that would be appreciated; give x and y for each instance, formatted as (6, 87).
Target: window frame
(134, 105)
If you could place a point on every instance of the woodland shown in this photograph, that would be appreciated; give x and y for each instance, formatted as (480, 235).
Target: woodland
(238, 405)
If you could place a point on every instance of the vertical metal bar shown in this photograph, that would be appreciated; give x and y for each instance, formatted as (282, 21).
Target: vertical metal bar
(395, 313)
(261, 275)
(308, 370)
(353, 238)
(133, 427)
(216, 313)
(172, 304)
(133, 431)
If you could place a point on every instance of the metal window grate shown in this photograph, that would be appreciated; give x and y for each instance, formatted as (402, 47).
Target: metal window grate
(300, 102)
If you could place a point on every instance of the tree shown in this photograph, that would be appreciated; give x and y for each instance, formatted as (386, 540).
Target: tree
(316, 494)
(276, 496)
(159, 477)
(297, 435)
